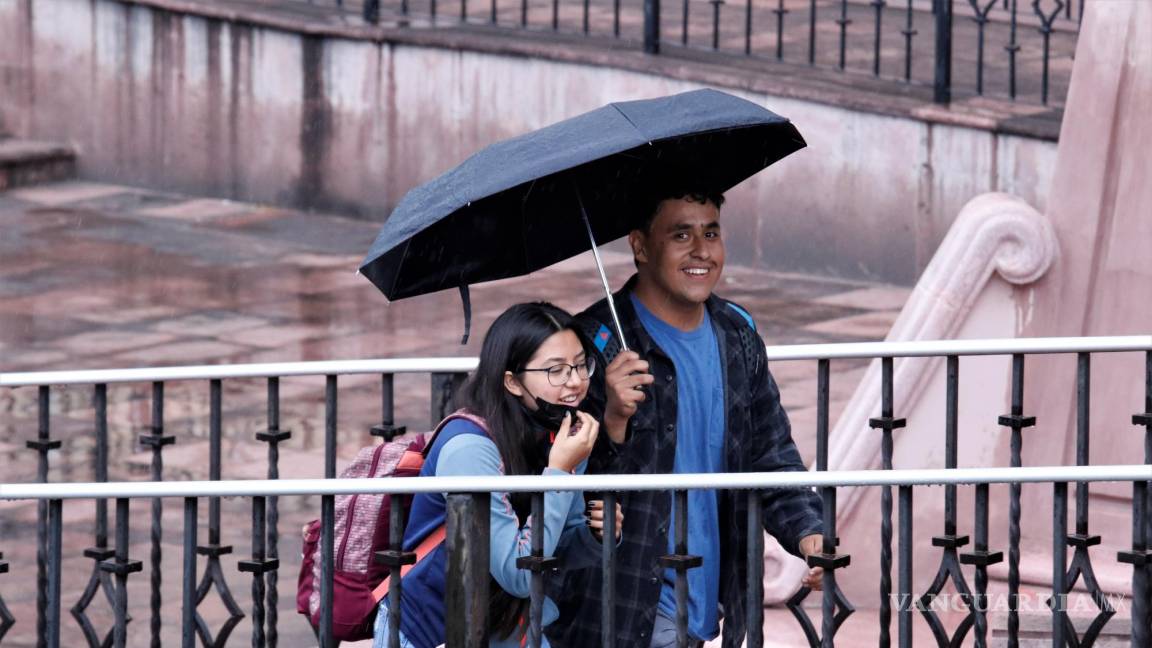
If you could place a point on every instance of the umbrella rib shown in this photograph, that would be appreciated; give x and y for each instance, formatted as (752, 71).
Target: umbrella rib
(400, 266)
(631, 123)
(525, 268)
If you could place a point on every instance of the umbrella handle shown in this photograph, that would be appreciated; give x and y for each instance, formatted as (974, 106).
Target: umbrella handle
(600, 268)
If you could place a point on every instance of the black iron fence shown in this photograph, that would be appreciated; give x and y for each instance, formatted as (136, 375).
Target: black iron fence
(112, 565)
(1020, 50)
(467, 593)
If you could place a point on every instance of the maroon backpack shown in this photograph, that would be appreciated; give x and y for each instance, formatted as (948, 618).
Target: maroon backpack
(361, 529)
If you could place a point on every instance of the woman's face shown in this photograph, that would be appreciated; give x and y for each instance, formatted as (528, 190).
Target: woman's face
(562, 347)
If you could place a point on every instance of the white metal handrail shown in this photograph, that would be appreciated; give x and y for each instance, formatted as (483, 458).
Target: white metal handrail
(465, 364)
(261, 370)
(538, 483)
(1002, 346)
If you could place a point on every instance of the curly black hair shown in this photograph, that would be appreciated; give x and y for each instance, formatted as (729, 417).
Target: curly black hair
(647, 206)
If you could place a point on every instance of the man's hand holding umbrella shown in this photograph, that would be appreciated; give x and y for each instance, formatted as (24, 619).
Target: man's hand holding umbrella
(624, 379)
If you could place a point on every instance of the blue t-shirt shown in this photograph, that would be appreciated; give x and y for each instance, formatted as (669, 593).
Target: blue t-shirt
(699, 449)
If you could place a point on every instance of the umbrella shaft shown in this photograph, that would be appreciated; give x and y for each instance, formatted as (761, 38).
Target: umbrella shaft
(603, 276)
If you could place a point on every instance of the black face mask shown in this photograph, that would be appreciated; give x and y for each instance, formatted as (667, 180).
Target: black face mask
(549, 416)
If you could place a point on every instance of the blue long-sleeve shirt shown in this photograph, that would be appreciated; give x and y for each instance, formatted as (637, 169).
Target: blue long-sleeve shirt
(564, 522)
(461, 449)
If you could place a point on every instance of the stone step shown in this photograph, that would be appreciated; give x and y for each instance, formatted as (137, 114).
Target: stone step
(1036, 630)
(25, 162)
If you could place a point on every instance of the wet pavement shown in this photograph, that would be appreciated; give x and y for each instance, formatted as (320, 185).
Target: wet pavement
(104, 276)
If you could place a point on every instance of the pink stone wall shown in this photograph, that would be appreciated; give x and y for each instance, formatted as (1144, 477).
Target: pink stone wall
(349, 122)
(1101, 209)
(1096, 281)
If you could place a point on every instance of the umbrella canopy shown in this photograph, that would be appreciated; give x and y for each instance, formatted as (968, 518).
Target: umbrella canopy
(516, 206)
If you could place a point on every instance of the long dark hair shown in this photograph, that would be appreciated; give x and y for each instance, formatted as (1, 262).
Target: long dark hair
(510, 343)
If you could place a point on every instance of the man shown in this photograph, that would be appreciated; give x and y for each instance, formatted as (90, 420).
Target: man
(694, 395)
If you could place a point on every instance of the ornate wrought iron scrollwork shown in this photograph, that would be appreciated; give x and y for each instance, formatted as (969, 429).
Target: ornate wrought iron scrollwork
(949, 570)
(981, 19)
(878, 6)
(213, 579)
(886, 423)
(981, 558)
(780, 12)
(42, 445)
(843, 21)
(99, 582)
(794, 606)
(1081, 540)
(1046, 22)
(909, 33)
(1082, 567)
(156, 441)
(949, 541)
(835, 607)
(1017, 422)
(274, 436)
(1139, 556)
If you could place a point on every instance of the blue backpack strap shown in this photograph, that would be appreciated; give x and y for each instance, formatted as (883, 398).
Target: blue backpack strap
(744, 314)
(749, 338)
(479, 427)
(602, 336)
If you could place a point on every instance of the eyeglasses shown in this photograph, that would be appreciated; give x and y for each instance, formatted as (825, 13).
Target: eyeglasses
(559, 374)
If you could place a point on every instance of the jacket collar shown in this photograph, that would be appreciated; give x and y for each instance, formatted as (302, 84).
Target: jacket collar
(637, 336)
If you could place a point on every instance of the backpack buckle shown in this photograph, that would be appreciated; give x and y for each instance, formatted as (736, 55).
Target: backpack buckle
(394, 558)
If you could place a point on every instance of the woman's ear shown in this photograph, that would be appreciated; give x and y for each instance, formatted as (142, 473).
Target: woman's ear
(512, 385)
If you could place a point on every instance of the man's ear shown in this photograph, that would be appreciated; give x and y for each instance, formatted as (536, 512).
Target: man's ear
(512, 385)
(636, 240)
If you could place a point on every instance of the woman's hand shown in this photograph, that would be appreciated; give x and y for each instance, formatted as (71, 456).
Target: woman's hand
(573, 442)
(595, 514)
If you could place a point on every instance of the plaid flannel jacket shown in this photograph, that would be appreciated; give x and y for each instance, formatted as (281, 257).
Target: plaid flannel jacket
(758, 438)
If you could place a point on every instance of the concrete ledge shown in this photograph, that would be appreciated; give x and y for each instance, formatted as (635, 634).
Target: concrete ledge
(851, 90)
(25, 162)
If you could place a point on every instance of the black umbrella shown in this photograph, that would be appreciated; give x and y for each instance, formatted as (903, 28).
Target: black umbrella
(537, 199)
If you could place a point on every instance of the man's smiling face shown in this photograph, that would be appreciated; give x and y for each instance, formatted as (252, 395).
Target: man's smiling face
(681, 255)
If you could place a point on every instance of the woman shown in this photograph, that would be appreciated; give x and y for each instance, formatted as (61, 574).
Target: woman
(518, 416)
